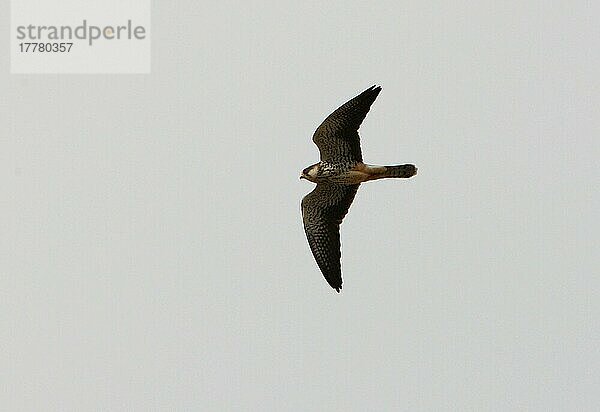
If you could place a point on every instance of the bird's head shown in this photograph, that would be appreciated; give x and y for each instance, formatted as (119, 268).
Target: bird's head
(310, 173)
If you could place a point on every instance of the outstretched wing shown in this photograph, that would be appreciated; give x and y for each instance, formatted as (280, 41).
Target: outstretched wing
(322, 212)
(337, 137)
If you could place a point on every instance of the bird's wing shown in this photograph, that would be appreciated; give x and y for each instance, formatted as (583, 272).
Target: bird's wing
(322, 212)
(337, 137)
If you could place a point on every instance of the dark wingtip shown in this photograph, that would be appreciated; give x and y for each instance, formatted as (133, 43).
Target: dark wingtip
(373, 90)
(337, 289)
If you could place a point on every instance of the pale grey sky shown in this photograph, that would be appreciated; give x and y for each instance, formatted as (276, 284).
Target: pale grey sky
(153, 256)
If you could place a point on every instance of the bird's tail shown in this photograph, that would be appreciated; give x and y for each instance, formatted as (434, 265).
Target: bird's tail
(403, 171)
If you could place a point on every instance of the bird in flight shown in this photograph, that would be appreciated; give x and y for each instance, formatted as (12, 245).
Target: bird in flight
(338, 176)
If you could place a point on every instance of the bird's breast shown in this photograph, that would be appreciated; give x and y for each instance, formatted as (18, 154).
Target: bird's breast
(343, 173)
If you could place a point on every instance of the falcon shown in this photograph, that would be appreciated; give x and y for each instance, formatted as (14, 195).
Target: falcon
(338, 176)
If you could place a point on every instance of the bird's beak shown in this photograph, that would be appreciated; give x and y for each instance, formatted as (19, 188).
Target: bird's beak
(301, 177)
